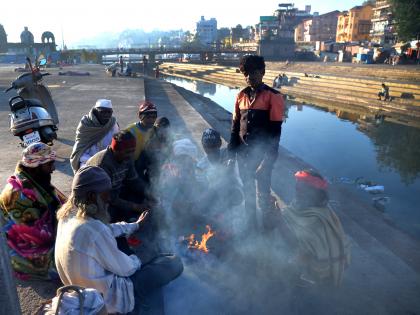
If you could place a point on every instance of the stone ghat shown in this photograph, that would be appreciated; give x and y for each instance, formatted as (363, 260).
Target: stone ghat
(322, 85)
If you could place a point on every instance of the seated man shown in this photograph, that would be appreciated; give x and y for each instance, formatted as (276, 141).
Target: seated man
(180, 188)
(223, 189)
(384, 92)
(155, 153)
(94, 133)
(322, 250)
(142, 129)
(87, 254)
(117, 162)
(218, 171)
(29, 203)
(278, 81)
(285, 79)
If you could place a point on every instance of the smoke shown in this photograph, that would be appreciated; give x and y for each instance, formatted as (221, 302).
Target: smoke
(245, 268)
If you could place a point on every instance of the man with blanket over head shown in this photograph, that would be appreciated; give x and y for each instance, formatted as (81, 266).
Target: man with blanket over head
(28, 206)
(94, 133)
(323, 251)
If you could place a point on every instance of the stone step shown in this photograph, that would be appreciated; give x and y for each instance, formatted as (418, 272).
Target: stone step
(376, 105)
(321, 84)
(270, 74)
(365, 92)
(311, 91)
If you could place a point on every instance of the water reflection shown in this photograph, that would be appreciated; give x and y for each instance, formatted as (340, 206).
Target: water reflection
(205, 88)
(349, 142)
(397, 148)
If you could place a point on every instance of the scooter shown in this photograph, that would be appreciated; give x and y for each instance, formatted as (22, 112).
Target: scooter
(30, 118)
(31, 122)
(29, 86)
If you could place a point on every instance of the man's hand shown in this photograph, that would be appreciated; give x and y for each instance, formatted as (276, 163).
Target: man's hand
(142, 218)
(139, 207)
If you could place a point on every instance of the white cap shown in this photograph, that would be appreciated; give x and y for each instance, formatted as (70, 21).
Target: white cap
(103, 103)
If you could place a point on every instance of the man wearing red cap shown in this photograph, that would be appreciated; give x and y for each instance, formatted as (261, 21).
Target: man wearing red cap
(141, 130)
(117, 161)
(322, 249)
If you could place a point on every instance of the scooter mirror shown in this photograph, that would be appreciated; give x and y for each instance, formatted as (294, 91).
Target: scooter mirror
(43, 62)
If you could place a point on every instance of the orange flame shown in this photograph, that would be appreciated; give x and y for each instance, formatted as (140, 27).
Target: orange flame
(192, 243)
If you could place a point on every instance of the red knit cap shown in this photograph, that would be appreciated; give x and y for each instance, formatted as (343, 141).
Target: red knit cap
(123, 144)
(147, 107)
(313, 181)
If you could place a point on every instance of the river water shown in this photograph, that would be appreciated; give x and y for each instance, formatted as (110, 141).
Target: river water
(350, 148)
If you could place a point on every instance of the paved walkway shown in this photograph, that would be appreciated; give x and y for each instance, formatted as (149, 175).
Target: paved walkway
(255, 278)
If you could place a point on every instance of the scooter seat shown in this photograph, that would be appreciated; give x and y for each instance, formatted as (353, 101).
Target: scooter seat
(25, 103)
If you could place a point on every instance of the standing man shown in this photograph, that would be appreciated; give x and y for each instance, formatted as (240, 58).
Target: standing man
(145, 61)
(94, 133)
(255, 136)
(121, 64)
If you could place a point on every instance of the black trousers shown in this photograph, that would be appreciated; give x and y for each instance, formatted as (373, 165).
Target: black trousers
(257, 185)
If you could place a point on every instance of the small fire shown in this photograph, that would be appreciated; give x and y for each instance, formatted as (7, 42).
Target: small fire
(192, 243)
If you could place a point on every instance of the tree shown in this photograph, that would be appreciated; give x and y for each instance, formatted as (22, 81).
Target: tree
(371, 2)
(407, 16)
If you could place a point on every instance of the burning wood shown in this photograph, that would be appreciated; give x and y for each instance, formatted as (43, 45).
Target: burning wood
(194, 244)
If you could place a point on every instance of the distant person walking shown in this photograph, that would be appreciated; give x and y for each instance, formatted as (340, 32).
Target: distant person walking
(157, 71)
(384, 93)
(145, 61)
(121, 61)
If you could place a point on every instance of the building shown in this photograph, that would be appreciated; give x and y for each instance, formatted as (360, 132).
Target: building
(354, 25)
(321, 27)
(267, 28)
(275, 34)
(207, 31)
(17, 52)
(383, 25)
(300, 32)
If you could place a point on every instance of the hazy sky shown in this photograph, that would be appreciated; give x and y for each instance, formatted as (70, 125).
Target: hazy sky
(86, 18)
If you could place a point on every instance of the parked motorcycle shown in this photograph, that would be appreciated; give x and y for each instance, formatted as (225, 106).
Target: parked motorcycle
(29, 86)
(33, 115)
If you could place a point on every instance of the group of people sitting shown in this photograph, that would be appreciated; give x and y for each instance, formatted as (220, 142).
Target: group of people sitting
(279, 80)
(132, 184)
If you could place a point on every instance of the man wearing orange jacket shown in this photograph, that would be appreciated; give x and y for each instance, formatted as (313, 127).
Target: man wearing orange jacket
(255, 136)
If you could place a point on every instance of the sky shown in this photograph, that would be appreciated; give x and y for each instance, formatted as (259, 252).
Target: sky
(78, 19)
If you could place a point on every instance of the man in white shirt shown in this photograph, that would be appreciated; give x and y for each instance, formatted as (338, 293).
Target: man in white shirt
(94, 133)
(86, 252)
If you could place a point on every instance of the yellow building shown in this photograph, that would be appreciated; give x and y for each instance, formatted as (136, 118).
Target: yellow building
(354, 25)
